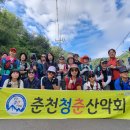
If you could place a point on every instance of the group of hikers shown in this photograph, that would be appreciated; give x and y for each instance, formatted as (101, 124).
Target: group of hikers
(73, 73)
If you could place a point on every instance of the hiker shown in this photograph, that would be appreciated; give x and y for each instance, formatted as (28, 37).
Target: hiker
(63, 70)
(9, 63)
(73, 81)
(51, 61)
(123, 82)
(91, 83)
(70, 60)
(37, 67)
(14, 80)
(31, 81)
(24, 65)
(85, 67)
(76, 60)
(43, 65)
(103, 74)
(112, 64)
(50, 81)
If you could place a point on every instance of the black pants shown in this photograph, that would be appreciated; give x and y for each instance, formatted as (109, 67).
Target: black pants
(112, 87)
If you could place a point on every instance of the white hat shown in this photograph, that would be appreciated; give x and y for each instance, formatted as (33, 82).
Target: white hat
(52, 69)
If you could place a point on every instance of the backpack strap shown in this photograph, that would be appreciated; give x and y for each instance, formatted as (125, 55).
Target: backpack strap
(42, 79)
(9, 84)
(19, 83)
(26, 65)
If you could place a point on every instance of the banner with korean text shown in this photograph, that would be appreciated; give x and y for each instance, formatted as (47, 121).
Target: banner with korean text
(49, 104)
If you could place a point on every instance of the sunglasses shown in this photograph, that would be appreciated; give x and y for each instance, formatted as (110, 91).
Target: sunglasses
(51, 72)
(76, 70)
(91, 76)
(104, 62)
(31, 72)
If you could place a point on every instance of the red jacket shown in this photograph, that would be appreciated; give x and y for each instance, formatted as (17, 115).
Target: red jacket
(115, 72)
(73, 86)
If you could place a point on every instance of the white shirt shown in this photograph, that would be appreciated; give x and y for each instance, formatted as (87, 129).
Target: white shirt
(61, 66)
(13, 84)
(87, 86)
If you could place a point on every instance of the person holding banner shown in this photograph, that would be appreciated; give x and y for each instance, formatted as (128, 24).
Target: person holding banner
(73, 81)
(14, 80)
(103, 74)
(91, 83)
(31, 81)
(50, 81)
(123, 83)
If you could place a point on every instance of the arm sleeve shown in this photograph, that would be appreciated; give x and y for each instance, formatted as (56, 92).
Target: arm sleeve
(5, 83)
(117, 85)
(21, 84)
(99, 78)
(28, 65)
(108, 80)
(43, 81)
(85, 86)
(99, 87)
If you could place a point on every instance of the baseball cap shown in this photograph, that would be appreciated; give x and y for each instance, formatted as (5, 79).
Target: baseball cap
(76, 55)
(123, 69)
(103, 60)
(13, 50)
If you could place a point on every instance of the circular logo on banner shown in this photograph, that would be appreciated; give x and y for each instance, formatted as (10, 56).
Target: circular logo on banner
(16, 104)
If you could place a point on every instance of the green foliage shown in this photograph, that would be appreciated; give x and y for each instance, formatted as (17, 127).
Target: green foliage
(2, 1)
(125, 56)
(13, 34)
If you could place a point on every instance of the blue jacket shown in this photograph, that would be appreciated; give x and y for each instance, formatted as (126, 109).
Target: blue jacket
(121, 85)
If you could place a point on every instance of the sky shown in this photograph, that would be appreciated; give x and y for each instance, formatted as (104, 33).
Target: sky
(86, 27)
